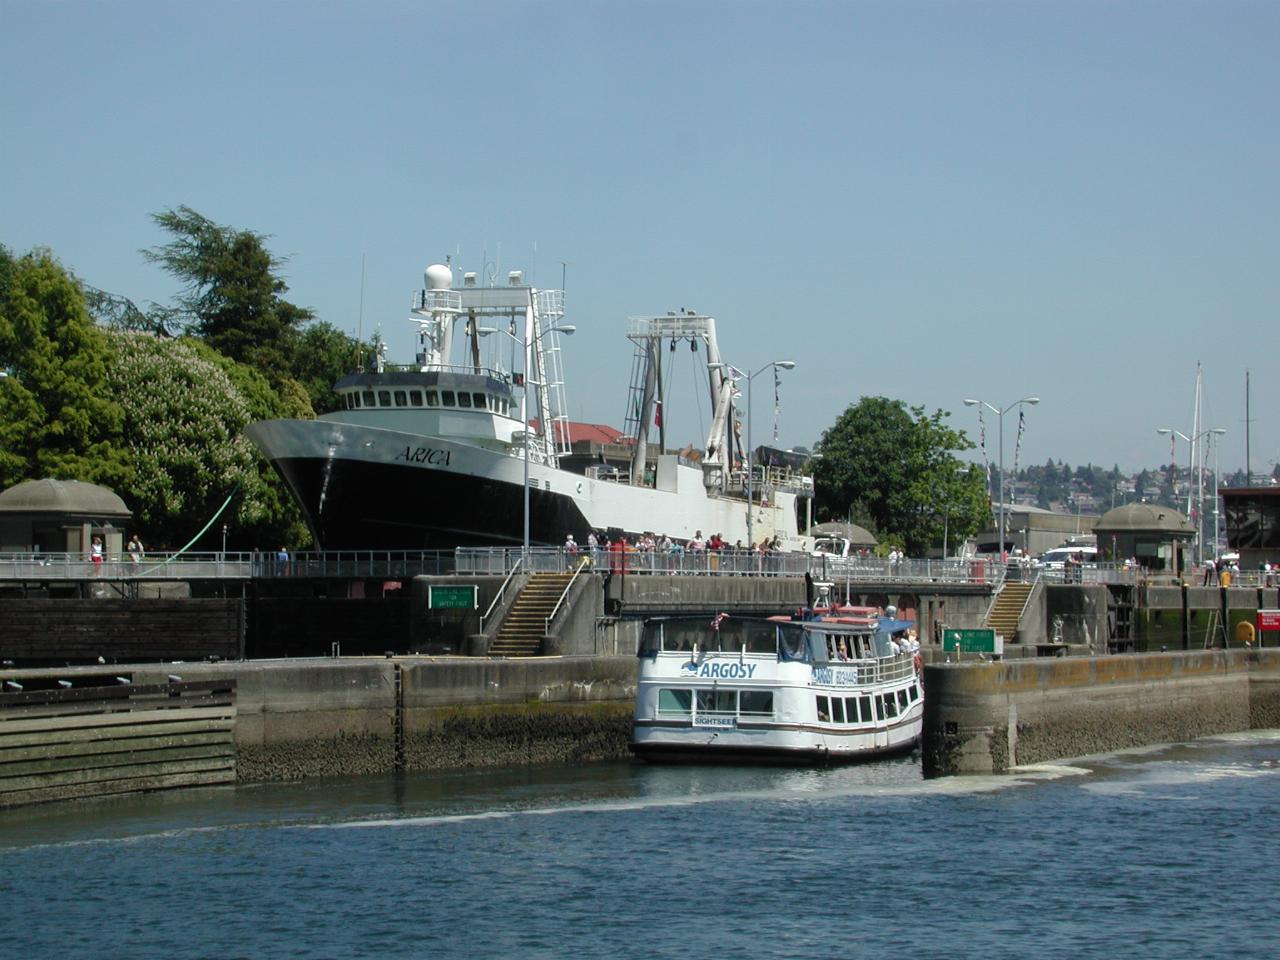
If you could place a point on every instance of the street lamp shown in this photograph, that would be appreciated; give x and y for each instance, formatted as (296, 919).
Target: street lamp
(785, 365)
(1199, 487)
(1000, 416)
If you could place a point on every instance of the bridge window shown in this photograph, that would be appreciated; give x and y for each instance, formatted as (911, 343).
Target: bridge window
(447, 399)
(402, 399)
(415, 398)
(478, 398)
(432, 398)
(675, 702)
(464, 399)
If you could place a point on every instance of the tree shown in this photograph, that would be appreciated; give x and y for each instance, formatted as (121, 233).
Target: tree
(57, 413)
(322, 355)
(185, 409)
(232, 298)
(895, 466)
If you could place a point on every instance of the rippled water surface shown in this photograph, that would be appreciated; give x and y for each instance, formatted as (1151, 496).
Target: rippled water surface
(1163, 853)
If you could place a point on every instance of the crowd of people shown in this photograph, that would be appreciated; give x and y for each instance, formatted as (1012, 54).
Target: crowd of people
(652, 552)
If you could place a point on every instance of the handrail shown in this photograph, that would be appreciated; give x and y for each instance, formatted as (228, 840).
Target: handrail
(546, 626)
(501, 591)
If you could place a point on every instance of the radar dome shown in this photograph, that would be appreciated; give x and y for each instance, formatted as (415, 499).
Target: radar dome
(439, 277)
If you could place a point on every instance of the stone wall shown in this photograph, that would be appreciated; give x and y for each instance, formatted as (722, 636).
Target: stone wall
(343, 717)
(989, 717)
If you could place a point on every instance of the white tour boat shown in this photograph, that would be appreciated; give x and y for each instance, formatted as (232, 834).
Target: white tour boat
(833, 688)
(440, 453)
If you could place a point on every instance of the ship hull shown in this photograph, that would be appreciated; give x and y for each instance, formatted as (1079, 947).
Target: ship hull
(366, 487)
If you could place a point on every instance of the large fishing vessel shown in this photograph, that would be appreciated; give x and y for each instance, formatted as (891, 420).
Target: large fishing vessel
(463, 450)
(831, 688)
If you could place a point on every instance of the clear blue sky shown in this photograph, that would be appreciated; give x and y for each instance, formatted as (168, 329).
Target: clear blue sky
(922, 200)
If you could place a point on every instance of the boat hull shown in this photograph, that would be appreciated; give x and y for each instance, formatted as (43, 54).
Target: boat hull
(366, 487)
(729, 753)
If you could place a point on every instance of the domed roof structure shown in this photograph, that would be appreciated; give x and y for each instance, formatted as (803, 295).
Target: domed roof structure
(63, 497)
(1145, 518)
(856, 535)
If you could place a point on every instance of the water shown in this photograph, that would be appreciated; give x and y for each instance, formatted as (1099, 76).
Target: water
(1160, 853)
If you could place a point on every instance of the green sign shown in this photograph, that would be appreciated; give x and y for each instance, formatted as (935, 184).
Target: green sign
(452, 598)
(970, 641)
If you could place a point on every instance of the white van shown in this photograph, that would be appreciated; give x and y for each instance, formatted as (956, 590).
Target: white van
(1056, 558)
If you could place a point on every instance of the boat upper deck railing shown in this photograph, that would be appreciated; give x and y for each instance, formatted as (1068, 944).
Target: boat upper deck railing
(463, 369)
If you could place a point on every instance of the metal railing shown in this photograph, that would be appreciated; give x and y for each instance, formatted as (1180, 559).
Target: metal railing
(501, 561)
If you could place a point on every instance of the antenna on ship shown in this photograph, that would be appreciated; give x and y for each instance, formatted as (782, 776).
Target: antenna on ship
(360, 315)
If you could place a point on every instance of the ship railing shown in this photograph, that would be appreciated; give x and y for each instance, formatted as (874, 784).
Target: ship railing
(437, 301)
(465, 369)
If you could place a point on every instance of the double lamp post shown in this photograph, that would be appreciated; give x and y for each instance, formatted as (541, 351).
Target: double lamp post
(1000, 416)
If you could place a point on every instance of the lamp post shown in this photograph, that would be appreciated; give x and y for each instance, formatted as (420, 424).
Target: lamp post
(1000, 416)
(1199, 487)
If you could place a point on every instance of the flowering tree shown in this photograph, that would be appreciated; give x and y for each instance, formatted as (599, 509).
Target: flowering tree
(185, 409)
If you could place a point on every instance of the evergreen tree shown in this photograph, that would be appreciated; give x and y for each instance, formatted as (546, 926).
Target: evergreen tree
(233, 295)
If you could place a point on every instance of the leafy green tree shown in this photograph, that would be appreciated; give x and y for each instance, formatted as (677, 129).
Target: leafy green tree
(233, 294)
(185, 409)
(322, 355)
(57, 411)
(895, 466)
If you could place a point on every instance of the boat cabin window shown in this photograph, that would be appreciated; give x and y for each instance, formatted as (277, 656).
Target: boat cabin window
(478, 400)
(368, 399)
(402, 398)
(415, 398)
(446, 399)
(675, 702)
(384, 398)
(432, 398)
(903, 703)
(464, 399)
(889, 706)
(352, 400)
(864, 708)
(681, 634)
(837, 709)
(717, 701)
(824, 709)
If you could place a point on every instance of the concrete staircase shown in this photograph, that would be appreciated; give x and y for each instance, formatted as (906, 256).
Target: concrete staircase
(526, 622)
(1006, 611)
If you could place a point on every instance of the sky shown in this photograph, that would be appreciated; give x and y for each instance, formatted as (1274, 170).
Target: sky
(928, 201)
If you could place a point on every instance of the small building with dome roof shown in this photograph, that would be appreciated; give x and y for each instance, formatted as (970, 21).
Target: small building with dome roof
(1156, 536)
(61, 516)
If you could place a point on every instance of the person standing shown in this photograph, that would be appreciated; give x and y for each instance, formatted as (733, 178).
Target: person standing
(135, 549)
(95, 554)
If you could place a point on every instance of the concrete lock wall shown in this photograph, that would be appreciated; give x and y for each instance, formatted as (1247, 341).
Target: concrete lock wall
(342, 717)
(989, 717)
